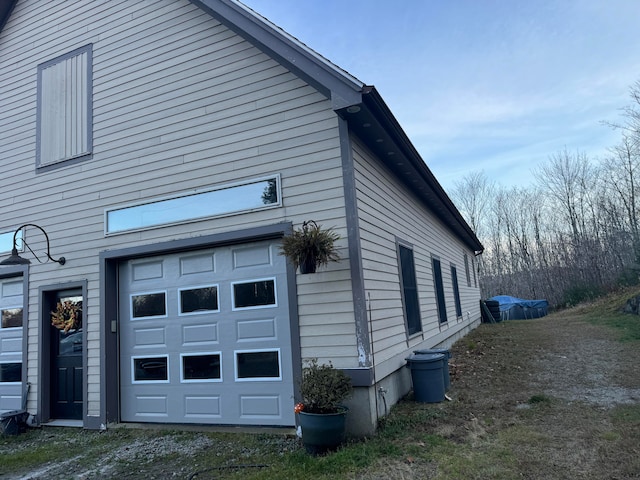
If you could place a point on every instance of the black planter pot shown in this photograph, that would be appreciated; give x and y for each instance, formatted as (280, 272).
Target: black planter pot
(322, 432)
(308, 265)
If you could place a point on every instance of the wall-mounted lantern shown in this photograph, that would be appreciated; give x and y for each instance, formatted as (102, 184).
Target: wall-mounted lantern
(16, 259)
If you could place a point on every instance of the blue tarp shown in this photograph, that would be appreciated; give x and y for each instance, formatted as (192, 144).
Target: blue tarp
(513, 308)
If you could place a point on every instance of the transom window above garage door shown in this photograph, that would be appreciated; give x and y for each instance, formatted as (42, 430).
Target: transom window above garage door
(222, 201)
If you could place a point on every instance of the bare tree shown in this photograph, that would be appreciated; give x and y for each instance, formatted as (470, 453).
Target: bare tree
(567, 178)
(575, 232)
(623, 182)
(473, 195)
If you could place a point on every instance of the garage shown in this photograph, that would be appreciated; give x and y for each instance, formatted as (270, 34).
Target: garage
(11, 312)
(205, 337)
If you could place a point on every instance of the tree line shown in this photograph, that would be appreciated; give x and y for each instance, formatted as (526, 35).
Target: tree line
(574, 234)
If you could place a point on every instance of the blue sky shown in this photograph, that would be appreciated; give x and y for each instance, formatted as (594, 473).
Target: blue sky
(491, 85)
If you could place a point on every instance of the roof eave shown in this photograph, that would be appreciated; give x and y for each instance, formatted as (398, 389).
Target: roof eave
(6, 8)
(342, 88)
(374, 123)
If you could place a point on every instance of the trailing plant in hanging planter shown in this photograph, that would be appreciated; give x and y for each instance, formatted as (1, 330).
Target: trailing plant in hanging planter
(310, 247)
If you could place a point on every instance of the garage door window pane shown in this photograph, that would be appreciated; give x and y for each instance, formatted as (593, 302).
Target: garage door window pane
(12, 317)
(10, 372)
(204, 299)
(149, 305)
(258, 365)
(259, 293)
(201, 367)
(150, 369)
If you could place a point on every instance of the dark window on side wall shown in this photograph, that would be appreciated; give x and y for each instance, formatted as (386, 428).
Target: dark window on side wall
(456, 290)
(466, 269)
(409, 290)
(437, 279)
(473, 267)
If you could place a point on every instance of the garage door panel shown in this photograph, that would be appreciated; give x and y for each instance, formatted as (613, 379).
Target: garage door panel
(192, 265)
(152, 406)
(10, 397)
(11, 342)
(150, 337)
(260, 406)
(199, 407)
(203, 333)
(146, 271)
(253, 329)
(255, 256)
(197, 335)
(11, 346)
(11, 290)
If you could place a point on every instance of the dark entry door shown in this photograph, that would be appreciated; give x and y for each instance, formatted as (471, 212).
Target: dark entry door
(66, 369)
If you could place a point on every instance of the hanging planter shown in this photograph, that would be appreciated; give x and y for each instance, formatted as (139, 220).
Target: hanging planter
(310, 247)
(67, 316)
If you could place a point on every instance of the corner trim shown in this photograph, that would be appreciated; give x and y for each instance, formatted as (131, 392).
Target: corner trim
(363, 339)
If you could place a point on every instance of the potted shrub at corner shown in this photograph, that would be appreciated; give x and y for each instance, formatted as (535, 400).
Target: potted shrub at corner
(310, 247)
(321, 415)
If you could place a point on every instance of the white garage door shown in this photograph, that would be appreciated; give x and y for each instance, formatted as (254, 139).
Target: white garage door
(11, 322)
(205, 338)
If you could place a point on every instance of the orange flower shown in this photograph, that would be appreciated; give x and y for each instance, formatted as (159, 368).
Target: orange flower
(298, 408)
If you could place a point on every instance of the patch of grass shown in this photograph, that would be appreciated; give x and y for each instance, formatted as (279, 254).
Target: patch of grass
(607, 312)
(627, 325)
(539, 399)
(491, 461)
(522, 435)
(407, 417)
(610, 436)
(10, 462)
(628, 415)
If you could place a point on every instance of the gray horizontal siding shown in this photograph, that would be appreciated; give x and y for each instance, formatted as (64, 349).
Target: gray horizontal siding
(387, 214)
(180, 103)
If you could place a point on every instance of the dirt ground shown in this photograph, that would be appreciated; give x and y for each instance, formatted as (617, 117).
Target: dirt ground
(553, 398)
(552, 392)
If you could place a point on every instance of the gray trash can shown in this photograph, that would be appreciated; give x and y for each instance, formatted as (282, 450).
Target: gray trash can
(427, 378)
(445, 364)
